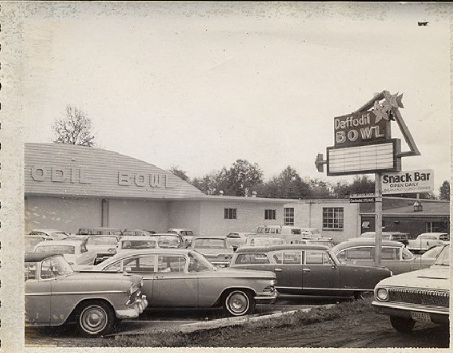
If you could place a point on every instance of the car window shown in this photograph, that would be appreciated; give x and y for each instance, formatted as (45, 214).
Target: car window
(288, 257)
(55, 267)
(171, 263)
(406, 254)
(99, 240)
(140, 264)
(115, 267)
(317, 257)
(197, 263)
(362, 253)
(253, 259)
(390, 253)
(444, 257)
(233, 235)
(209, 243)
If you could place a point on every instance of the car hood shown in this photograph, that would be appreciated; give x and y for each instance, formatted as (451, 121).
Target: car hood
(435, 277)
(242, 273)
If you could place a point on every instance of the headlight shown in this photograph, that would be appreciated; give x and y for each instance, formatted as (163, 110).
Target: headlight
(382, 294)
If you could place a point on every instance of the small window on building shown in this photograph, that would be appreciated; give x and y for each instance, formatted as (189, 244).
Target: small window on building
(434, 227)
(270, 214)
(333, 218)
(288, 216)
(229, 213)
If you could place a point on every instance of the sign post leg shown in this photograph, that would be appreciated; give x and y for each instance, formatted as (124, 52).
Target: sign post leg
(378, 220)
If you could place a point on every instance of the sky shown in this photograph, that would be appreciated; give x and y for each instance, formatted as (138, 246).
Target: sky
(200, 85)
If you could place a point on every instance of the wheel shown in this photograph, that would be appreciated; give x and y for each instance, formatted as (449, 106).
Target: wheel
(95, 318)
(239, 302)
(402, 324)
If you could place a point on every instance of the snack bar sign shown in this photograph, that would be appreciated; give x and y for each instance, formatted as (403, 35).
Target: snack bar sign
(359, 128)
(408, 182)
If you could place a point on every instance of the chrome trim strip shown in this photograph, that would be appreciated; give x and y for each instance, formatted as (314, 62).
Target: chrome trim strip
(38, 294)
(326, 288)
(413, 307)
(76, 293)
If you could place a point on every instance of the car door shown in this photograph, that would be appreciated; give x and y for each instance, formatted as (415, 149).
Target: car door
(144, 266)
(288, 269)
(359, 255)
(38, 294)
(173, 285)
(320, 274)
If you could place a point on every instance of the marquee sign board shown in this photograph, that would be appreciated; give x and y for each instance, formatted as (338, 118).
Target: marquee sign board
(365, 159)
(408, 182)
(358, 128)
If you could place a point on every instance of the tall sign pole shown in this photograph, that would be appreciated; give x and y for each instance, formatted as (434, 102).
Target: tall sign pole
(378, 219)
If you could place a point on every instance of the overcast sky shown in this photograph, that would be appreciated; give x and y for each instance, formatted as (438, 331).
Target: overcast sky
(200, 85)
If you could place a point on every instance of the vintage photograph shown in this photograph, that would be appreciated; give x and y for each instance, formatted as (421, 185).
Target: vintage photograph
(225, 174)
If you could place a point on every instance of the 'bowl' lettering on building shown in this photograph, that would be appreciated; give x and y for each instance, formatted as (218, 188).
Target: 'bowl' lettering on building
(143, 179)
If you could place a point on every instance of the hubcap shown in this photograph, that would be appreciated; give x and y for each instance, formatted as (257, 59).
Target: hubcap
(238, 303)
(93, 319)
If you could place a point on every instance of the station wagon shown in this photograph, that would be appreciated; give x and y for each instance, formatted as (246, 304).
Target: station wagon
(309, 269)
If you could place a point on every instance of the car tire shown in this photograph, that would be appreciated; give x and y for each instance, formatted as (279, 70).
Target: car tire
(95, 318)
(402, 324)
(238, 302)
(363, 295)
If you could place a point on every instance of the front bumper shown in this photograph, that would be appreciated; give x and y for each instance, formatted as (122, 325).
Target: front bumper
(439, 315)
(266, 297)
(134, 309)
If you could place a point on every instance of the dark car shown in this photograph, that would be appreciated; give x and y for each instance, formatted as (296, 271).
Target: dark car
(309, 269)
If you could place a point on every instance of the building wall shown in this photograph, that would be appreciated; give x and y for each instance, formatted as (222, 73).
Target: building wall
(250, 215)
(67, 214)
(309, 214)
(138, 214)
(184, 214)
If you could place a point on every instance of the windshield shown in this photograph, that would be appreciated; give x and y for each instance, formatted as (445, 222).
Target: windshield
(198, 263)
(55, 266)
(432, 253)
(59, 234)
(266, 241)
(62, 249)
(168, 240)
(209, 244)
(444, 257)
(98, 240)
(138, 244)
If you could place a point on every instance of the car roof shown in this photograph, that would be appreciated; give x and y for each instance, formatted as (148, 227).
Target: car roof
(134, 237)
(365, 241)
(247, 249)
(39, 256)
(434, 233)
(71, 242)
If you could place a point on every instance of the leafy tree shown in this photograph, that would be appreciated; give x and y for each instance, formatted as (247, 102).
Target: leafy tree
(207, 183)
(319, 189)
(74, 128)
(445, 191)
(361, 185)
(288, 185)
(240, 179)
(176, 170)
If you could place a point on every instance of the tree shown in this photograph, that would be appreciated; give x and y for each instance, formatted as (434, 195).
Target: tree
(207, 183)
(445, 191)
(361, 185)
(74, 128)
(240, 179)
(288, 185)
(319, 189)
(176, 170)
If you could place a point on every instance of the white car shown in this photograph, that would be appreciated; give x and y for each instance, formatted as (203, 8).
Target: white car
(50, 233)
(422, 295)
(74, 251)
(186, 234)
(426, 241)
(132, 242)
(237, 239)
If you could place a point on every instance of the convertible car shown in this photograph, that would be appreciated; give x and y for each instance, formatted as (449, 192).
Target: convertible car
(184, 278)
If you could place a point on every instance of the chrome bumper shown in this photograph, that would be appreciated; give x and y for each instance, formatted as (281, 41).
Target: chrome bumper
(134, 310)
(266, 297)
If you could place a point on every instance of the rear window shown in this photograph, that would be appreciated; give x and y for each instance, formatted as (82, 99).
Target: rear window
(209, 243)
(102, 240)
(252, 259)
(62, 249)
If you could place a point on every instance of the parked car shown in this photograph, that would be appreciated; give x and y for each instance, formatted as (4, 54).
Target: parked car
(55, 295)
(278, 229)
(311, 232)
(422, 295)
(237, 239)
(100, 231)
(396, 236)
(50, 233)
(30, 241)
(137, 232)
(186, 234)
(216, 250)
(184, 278)
(394, 255)
(73, 250)
(309, 269)
(127, 243)
(169, 240)
(426, 241)
(431, 255)
(103, 245)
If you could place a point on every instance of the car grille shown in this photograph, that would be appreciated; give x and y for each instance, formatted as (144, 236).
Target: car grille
(420, 296)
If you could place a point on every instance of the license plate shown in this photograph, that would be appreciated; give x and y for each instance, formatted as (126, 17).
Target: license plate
(418, 316)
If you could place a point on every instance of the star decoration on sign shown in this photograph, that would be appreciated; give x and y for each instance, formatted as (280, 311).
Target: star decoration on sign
(380, 112)
(393, 101)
